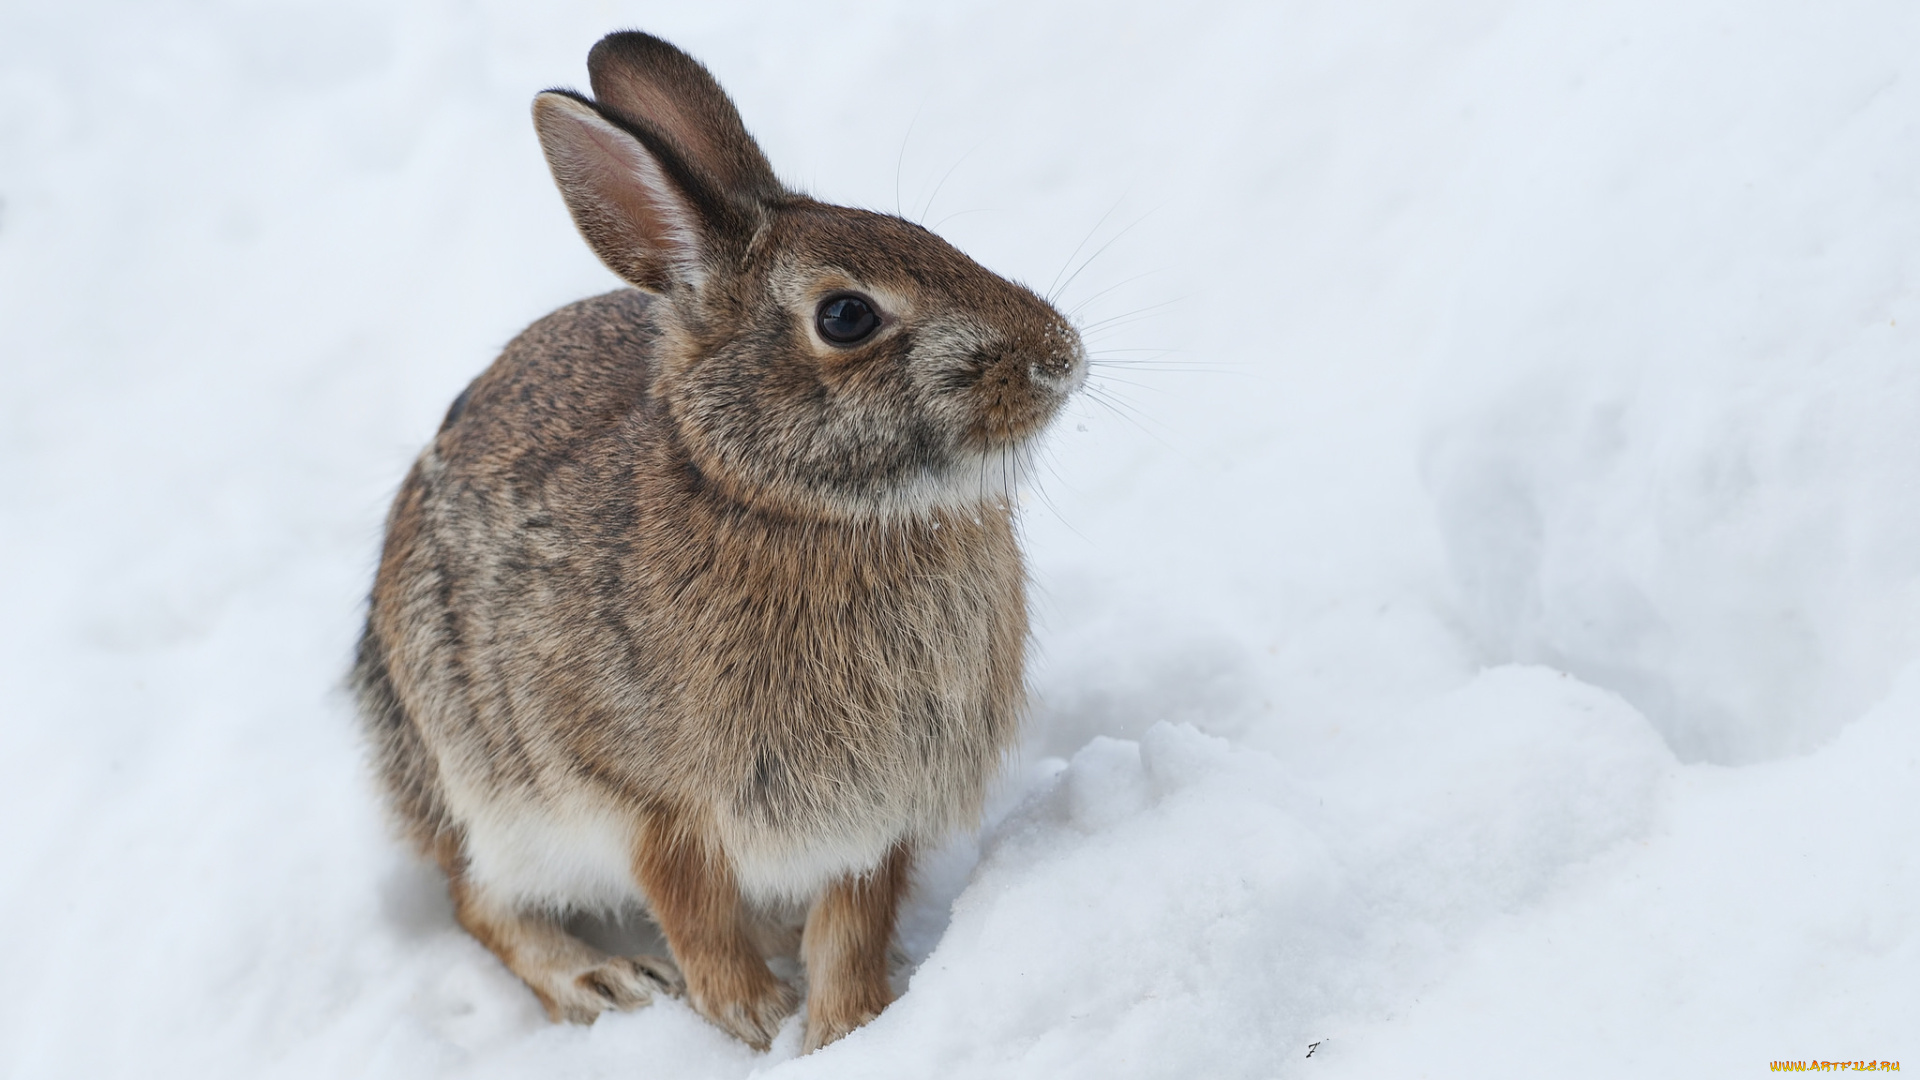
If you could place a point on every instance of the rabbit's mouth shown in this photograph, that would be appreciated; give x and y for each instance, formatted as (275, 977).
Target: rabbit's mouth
(1012, 403)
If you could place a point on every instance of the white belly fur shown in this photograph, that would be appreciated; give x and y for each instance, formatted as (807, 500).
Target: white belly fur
(577, 855)
(789, 867)
(558, 857)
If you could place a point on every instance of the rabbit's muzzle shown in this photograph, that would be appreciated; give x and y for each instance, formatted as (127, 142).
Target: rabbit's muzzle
(1017, 389)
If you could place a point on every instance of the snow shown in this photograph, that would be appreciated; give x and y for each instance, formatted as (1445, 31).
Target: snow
(1480, 636)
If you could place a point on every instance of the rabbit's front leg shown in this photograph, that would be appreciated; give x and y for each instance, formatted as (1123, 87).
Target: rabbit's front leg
(573, 980)
(691, 890)
(846, 944)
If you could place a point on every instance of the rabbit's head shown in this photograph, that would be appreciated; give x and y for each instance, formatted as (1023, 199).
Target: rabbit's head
(815, 360)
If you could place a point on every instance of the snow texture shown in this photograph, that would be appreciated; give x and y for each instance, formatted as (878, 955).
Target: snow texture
(1478, 607)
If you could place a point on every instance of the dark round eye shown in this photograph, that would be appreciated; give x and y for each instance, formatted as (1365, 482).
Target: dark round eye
(845, 320)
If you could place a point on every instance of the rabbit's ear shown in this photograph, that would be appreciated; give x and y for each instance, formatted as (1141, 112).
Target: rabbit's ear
(649, 83)
(638, 217)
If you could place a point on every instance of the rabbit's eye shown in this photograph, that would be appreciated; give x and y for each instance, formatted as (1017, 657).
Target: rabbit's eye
(845, 320)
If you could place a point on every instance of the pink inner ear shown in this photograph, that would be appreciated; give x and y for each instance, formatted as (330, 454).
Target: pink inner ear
(629, 211)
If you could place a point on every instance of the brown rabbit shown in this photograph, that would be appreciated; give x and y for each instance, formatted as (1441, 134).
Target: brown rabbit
(706, 595)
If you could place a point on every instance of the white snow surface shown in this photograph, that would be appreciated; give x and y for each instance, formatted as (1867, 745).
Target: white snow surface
(1477, 624)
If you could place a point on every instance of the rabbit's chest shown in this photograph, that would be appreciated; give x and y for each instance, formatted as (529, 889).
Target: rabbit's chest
(842, 705)
(833, 681)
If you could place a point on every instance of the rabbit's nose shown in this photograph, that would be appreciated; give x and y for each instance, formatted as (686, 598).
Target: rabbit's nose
(1060, 364)
(1061, 369)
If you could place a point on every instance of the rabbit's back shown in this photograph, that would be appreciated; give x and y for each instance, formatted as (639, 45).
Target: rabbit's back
(559, 386)
(572, 625)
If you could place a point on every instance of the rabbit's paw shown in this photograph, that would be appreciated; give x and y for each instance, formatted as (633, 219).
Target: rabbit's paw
(619, 982)
(753, 1016)
(828, 1025)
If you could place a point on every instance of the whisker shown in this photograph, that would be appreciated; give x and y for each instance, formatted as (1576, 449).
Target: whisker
(900, 162)
(1051, 462)
(928, 209)
(1079, 247)
(1119, 321)
(1082, 304)
(1170, 366)
(1100, 398)
(1106, 379)
(1053, 507)
(1110, 407)
(935, 227)
(1126, 316)
(1121, 406)
(1097, 254)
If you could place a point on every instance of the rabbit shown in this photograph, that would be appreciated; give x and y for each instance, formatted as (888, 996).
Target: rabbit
(706, 596)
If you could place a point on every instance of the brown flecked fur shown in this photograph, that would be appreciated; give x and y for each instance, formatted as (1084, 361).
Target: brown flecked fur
(686, 604)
